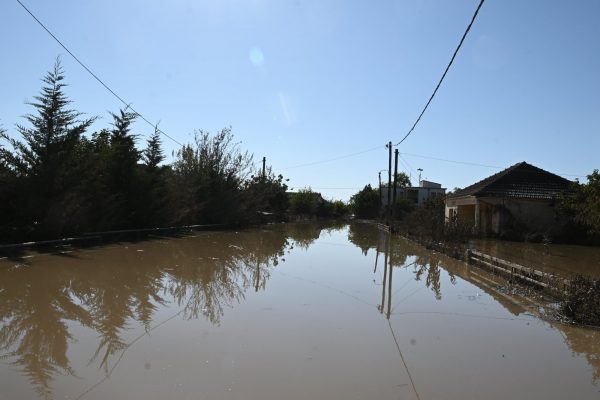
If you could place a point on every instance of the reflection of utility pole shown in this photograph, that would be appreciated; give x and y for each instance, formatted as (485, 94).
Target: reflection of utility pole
(389, 305)
(385, 262)
(257, 281)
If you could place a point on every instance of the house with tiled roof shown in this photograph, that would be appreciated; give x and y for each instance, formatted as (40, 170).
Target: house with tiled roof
(521, 197)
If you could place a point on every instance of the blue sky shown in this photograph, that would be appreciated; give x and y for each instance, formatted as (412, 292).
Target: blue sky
(306, 81)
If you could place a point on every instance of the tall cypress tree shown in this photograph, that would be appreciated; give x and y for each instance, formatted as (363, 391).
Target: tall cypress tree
(54, 130)
(43, 156)
(153, 154)
(123, 171)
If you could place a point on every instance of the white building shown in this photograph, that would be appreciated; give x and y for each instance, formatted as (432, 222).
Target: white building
(415, 194)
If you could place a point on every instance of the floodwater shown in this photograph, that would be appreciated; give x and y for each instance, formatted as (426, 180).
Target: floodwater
(297, 311)
(564, 260)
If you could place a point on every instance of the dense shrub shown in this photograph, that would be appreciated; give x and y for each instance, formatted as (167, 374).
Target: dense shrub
(59, 180)
(366, 203)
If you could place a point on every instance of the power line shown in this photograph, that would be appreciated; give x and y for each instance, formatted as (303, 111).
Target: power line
(128, 105)
(406, 164)
(453, 161)
(445, 72)
(474, 164)
(332, 159)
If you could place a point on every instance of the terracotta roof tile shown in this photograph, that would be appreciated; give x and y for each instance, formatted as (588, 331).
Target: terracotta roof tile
(521, 180)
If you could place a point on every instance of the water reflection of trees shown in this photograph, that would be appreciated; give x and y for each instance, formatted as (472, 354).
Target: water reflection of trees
(304, 234)
(394, 253)
(398, 253)
(110, 291)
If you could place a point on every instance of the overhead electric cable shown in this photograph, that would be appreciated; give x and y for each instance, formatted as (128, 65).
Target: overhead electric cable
(406, 164)
(452, 161)
(332, 159)
(475, 164)
(444, 74)
(128, 105)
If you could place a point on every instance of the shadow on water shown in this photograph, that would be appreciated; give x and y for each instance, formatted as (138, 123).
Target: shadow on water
(110, 289)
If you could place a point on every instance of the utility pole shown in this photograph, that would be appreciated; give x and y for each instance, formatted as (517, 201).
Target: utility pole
(389, 191)
(380, 194)
(395, 174)
(420, 170)
(264, 169)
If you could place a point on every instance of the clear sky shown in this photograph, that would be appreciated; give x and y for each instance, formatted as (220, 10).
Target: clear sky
(305, 81)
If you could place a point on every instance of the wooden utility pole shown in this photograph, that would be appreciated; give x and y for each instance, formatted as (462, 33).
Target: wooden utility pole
(395, 175)
(389, 191)
(264, 171)
(380, 193)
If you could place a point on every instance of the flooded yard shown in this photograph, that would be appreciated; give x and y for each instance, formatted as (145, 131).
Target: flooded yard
(564, 260)
(296, 311)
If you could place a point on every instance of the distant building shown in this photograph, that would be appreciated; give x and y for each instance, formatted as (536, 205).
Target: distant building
(521, 197)
(415, 194)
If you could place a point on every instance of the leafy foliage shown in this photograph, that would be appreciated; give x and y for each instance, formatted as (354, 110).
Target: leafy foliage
(305, 201)
(582, 205)
(207, 178)
(366, 203)
(267, 193)
(59, 180)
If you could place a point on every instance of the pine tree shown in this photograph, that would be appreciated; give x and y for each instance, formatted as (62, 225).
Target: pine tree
(153, 154)
(45, 158)
(124, 155)
(55, 130)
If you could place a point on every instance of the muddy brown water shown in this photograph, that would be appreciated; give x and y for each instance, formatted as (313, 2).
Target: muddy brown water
(565, 260)
(297, 311)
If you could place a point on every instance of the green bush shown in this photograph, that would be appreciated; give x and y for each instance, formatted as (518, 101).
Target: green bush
(366, 203)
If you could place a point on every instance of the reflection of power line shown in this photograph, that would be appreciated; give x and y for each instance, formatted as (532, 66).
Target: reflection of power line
(328, 287)
(444, 74)
(412, 382)
(128, 105)
(127, 347)
(408, 296)
(462, 315)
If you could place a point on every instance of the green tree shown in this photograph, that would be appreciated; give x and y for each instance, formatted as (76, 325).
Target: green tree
(153, 154)
(402, 180)
(305, 201)
(46, 155)
(582, 204)
(366, 203)
(208, 177)
(266, 193)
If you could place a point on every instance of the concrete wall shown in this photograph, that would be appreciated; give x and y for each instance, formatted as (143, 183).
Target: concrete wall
(536, 216)
(499, 216)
